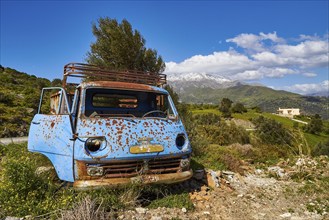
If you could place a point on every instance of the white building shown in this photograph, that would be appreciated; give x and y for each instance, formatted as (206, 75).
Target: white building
(288, 112)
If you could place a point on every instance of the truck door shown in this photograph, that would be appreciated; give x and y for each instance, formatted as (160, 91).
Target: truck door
(51, 130)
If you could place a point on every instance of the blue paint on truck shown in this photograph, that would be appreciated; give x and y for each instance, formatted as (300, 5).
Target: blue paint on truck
(111, 132)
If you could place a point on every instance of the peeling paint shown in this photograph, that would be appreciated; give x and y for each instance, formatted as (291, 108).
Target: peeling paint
(125, 148)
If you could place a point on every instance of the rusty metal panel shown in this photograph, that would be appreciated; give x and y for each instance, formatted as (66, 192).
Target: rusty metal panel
(114, 147)
(55, 102)
(142, 179)
(122, 133)
(50, 135)
(94, 73)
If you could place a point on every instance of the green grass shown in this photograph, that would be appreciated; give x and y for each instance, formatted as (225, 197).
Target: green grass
(246, 116)
(286, 122)
(313, 139)
(173, 201)
(206, 111)
(23, 192)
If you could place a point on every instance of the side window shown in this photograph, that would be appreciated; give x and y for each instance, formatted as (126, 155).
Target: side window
(54, 101)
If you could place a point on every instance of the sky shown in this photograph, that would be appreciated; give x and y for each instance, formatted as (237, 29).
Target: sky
(280, 44)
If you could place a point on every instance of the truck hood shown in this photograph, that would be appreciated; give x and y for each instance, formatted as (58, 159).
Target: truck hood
(120, 134)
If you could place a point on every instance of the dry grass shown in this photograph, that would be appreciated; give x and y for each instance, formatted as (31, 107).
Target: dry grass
(86, 209)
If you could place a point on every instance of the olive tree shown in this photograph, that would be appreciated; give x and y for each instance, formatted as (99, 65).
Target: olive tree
(118, 46)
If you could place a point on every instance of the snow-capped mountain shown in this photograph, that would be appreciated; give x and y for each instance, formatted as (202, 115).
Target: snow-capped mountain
(199, 80)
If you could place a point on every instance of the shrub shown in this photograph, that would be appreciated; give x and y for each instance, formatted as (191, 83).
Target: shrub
(22, 191)
(225, 107)
(271, 131)
(321, 149)
(315, 126)
(238, 108)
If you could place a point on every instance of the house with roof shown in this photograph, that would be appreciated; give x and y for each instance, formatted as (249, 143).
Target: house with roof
(288, 112)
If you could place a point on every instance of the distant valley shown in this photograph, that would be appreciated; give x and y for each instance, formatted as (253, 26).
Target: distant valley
(206, 88)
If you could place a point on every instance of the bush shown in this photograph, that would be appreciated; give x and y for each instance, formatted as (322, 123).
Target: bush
(321, 149)
(238, 108)
(315, 126)
(22, 190)
(272, 132)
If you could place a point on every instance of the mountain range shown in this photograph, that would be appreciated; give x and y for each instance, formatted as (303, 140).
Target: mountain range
(207, 88)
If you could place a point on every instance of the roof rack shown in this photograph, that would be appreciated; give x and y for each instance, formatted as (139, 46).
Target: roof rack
(95, 73)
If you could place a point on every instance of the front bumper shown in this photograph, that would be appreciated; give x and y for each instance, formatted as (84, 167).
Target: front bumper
(167, 178)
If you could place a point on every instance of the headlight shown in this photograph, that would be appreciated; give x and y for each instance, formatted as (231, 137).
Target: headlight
(95, 171)
(180, 140)
(185, 164)
(94, 144)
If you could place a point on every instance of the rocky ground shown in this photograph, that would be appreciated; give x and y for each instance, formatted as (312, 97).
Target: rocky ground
(270, 193)
(295, 190)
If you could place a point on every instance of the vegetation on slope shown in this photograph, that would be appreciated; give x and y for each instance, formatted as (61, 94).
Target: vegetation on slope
(267, 99)
(19, 100)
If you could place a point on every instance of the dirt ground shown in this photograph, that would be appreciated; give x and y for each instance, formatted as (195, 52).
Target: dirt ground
(270, 193)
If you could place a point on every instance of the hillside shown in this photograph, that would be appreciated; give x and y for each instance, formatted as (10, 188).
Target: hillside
(19, 100)
(268, 99)
(20, 92)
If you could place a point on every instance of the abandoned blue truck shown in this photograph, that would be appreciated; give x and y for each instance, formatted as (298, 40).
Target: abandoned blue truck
(113, 128)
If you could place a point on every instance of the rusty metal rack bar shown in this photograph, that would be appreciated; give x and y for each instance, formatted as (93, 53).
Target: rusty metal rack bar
(95, 73)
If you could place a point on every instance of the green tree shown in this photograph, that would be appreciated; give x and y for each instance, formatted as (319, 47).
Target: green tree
(271, 131)
(118, 46)
(315, 126)
(56, 82)
(225, 107)
(238, 108)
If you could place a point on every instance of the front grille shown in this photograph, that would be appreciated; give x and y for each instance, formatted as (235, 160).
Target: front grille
(121, 169)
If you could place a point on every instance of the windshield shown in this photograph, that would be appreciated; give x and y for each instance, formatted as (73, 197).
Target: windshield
(125, 103)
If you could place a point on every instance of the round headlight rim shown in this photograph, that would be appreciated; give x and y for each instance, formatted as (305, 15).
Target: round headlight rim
(183, 140)
(91, 139)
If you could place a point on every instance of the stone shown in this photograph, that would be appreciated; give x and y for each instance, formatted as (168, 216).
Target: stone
(43, 169)
(12, 218)
(204, 188)
(219, 173)
(212, 179)
(286, 215)
(192, 196)
(206, 197)
(278, 171)
(141, 210)
(228, 173)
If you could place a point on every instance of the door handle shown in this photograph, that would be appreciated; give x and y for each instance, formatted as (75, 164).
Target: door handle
(36, 123)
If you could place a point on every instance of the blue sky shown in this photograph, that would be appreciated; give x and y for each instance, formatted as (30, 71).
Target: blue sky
(281, 44)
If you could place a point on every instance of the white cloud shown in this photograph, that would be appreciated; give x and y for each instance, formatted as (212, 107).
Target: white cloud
(308, 74)
(247, 41)
(263, 72)
(222, 63)
(254, 42)
(310, 88)
(304, 49)
(264, 56)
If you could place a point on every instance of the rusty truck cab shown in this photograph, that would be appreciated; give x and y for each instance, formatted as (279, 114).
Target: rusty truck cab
(112, 130)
